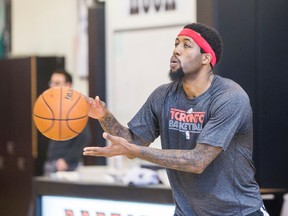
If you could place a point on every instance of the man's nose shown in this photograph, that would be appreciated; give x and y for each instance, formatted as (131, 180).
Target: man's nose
(177, 50)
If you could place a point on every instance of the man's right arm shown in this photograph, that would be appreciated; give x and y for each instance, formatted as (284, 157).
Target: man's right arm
(111, 125)
(98, 110)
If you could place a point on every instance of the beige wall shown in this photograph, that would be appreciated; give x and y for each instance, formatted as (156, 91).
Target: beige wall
(45, 28)
(138, 51)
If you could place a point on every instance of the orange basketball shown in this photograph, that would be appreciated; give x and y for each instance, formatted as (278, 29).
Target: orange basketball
(60, 113)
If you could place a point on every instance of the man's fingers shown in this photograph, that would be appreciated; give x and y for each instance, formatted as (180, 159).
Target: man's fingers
(88, 99)
(95, 151)
(99, 102)
(105, 135)
(85, 97)
(90, 148)
(109, 137)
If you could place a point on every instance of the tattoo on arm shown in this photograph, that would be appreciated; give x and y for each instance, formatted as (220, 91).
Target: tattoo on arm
(110, 124)
(195, 160)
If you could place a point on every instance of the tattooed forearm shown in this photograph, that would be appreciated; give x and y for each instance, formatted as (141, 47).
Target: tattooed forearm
(110, 124)
(195, 160)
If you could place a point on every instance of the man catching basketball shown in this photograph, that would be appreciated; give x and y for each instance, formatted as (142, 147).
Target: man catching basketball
(205, 125)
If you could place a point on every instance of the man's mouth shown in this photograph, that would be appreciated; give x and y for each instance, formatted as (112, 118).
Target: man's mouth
(174, 62)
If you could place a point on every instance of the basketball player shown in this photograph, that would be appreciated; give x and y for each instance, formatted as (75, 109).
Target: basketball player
(65, 155)
(205, 125)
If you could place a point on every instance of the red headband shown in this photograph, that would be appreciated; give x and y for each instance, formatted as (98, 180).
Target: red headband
(202, 43)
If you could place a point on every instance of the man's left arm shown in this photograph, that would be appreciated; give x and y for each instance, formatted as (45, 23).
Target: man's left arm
(195, 160)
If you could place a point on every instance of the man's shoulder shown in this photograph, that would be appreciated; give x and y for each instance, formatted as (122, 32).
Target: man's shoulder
(227, 91)
(228, 86)
(167, 87)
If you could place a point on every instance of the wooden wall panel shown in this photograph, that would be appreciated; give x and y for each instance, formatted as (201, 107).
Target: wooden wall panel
(97, 70)
(21, 82)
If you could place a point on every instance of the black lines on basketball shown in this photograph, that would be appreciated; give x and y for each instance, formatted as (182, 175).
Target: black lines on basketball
(60, 110)
(52, 123)
(60, 113)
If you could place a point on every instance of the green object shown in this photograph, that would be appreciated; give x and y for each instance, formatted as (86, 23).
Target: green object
(2, 29)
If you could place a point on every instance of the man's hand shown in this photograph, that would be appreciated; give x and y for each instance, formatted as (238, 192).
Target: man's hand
(118, 146)
(97, 109)
(61, 165)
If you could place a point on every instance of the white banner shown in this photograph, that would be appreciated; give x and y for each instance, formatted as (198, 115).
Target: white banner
(68, 206)
(129, 14)
(140, 36)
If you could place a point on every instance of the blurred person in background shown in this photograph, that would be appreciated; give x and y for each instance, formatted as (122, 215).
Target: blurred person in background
(65, 155)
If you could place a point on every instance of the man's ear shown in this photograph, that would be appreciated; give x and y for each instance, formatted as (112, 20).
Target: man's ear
(206, 58)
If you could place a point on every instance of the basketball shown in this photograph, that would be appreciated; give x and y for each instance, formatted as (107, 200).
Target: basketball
(60, 113)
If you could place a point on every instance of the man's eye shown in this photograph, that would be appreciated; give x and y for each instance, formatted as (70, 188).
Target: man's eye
(187, 45)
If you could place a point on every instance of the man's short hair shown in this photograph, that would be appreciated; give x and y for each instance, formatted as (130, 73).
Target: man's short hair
(68, 77)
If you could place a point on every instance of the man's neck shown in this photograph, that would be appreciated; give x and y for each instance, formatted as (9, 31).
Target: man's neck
(197, 84)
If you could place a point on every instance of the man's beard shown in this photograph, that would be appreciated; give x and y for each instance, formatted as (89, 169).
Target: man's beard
(176, 75)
